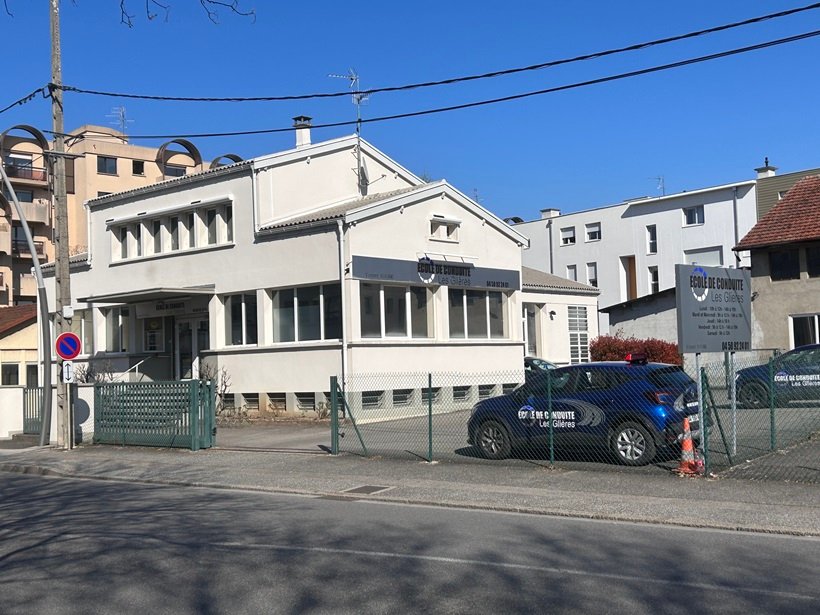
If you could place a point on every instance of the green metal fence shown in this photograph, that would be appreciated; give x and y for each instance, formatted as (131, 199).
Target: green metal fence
(32, 410)
(571, 418)
(167, 414)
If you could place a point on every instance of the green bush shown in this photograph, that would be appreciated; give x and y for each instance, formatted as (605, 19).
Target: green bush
(615, 348)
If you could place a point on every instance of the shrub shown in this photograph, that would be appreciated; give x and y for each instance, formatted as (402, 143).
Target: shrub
(615, 348)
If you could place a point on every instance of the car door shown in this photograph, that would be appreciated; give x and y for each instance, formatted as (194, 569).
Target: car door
(587, 407)
(535, 412)
(797, 376)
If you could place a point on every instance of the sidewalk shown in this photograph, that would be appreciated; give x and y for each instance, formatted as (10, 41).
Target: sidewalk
(523, 487)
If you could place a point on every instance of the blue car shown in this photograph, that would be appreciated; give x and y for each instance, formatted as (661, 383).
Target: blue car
(628, 410)
(796, 376)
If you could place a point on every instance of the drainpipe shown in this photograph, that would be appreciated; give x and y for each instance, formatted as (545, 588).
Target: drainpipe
(737, 230)
(254, 196)
(340, 230)
(549, 236)
(42, 301)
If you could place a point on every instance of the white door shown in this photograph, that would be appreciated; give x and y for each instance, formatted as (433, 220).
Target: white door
(191, 339)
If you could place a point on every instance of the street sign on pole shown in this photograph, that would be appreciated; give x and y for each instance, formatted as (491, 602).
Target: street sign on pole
(67, 346)
(68, 372)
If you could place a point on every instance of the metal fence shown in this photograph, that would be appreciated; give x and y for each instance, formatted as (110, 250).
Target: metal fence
(32, 410)
(166, 414)
(578, 417)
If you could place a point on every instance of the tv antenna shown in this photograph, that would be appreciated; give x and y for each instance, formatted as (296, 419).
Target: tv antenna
(661, 185)
(121, 121)
(358, 97)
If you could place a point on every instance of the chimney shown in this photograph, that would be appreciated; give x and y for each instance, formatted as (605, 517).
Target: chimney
(766, 170)
(302, 125)
(548, 213)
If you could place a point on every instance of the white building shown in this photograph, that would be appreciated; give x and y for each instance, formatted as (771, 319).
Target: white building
(630, 250)
(327, 259)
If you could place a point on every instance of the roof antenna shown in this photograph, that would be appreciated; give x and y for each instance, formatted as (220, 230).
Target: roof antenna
(661, 184)
(359, 98)
(120, 119)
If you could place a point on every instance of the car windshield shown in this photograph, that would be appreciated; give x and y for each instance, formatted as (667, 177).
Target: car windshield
(541, 364)
(799, 357)
(672, 376)
(537, 386)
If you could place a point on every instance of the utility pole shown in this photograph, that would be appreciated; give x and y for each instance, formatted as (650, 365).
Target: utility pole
(65, 435)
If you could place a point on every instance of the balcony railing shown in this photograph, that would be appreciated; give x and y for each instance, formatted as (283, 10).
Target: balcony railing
(26, 172)
(19, 247)
(37, 211)
(5, 238)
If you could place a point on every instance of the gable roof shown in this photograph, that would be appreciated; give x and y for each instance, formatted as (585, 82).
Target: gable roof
(794, 219)
(534, 279)
(15, 317)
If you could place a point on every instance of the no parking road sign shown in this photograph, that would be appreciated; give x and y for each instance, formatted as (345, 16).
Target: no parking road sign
(67, 346)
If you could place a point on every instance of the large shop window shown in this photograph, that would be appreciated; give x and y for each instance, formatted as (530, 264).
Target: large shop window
(240, 319)
(307, 313)
(578, 334)
(117, 329)
(394, 311)
(804, 329)
(476, 314)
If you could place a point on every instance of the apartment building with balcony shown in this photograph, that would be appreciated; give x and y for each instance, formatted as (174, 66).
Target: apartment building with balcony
(99, 161)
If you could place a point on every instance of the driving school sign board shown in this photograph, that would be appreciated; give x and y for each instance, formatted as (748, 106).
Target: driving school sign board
(714, 308)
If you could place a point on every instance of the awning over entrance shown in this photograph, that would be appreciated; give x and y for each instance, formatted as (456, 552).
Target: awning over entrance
(150, 294)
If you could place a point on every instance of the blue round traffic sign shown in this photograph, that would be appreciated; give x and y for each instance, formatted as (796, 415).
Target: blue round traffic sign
(67, 346)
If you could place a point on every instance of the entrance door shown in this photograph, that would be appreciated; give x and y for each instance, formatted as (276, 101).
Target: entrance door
(191, 339)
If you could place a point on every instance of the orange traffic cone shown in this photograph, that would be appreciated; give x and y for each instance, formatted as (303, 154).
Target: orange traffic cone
(688, 465)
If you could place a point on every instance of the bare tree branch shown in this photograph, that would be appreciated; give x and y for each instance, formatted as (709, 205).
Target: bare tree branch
(231, 5)
(6, 6)
(151, 16)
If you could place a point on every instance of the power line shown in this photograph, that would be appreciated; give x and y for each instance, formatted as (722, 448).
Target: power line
(510, 71)
(492, 101)
(25, 99)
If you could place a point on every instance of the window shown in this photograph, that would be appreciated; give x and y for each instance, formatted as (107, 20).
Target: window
(106, 165)
(10, 374)
(32, 375)
(117, 329)
(813, 262)
(210, 225)
(228, 223)
(156, 232)
(123, 239)
(804, 330)
(572, 272)
(284, 325)
(138, 167)
(784, 265)
(240, 319)
(476, 314)
(592, 274)
(654, 280)
(190, 228)
(82, 327)
(173, 224)
(174, 170)
(24, 196)
(444, 228)
(651, 239)
(153, 334)
(578, 334)
(394, 311)
(137, 231)
(693, 215)
(594, 231)
(568, 236)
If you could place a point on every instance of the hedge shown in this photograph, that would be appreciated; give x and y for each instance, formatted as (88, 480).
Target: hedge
(615, 348)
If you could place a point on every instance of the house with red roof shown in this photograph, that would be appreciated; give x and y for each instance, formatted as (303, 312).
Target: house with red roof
(18, 345)
(785, 263)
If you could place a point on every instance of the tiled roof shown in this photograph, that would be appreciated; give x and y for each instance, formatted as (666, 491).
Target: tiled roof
(795, 218)
(533, 279)
(16, 316)
(337, 211)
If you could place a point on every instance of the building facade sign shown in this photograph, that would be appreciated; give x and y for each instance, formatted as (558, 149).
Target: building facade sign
(431, 272)
(171, 307)
(714, 307)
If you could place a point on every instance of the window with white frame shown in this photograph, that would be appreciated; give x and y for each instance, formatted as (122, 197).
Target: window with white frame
(568, 236)
(81, 325)
(804, 329)
(394, 311)
(654, 280)
(572, 272)
(173, 231)
(444, 228)
(227, 214)
(153, 334)
(693, 215)
(578, 333)
(476, 314)
(307, 313)
(10, 374)
(117, 329)
(651, 239)
(122, 234)
(592, 274)
(136, 232)
(156, 236)
(210, 226)
(190, 228)
(240, 319)
(593, 231)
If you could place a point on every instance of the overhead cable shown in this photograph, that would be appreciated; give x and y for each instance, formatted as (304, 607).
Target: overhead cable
(412, 86)
(25, 99)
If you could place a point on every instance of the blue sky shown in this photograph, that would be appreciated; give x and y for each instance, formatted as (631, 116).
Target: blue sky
(696, 126)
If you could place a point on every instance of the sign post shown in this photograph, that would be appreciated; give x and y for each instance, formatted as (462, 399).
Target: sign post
(68, 347)
(714, 307)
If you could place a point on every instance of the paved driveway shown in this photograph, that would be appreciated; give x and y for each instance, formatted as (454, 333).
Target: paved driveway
(312, 437)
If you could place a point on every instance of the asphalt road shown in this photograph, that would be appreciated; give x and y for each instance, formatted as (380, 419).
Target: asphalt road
(72, 546)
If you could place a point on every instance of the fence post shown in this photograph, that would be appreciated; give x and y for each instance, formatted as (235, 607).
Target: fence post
(430, 417)
(549, 418)
(334, 415)
(704, 420)
(772, 428)
(193, 413)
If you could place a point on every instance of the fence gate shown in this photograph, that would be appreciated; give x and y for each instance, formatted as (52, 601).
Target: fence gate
(167, 414)
(32, 410)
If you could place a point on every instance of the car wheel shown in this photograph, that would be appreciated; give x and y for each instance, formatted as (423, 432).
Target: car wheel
(632, 444)
(753, 395)
(493, 440)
